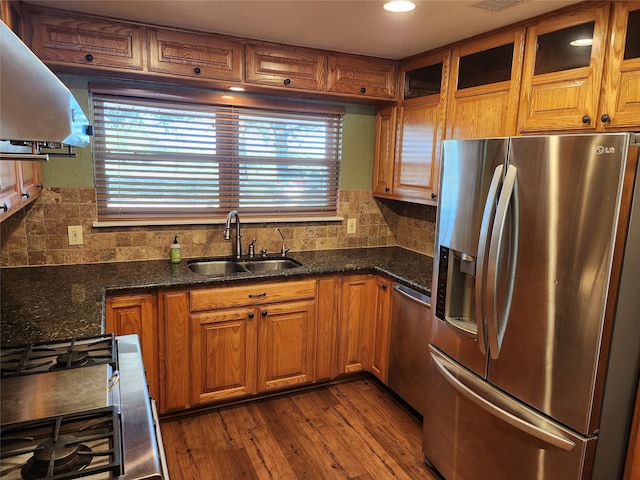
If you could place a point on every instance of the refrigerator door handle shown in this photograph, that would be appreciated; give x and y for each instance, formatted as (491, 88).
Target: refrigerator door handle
(497, 321)
(445, 366)
(487, 219)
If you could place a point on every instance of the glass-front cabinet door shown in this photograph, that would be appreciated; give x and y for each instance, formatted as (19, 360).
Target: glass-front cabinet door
(620, 105)
(563, 66)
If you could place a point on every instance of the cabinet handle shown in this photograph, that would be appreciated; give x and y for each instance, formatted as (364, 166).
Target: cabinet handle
(251, 315)
(40, 186)
(26, 195)
(5, 207)
(257, 295)
(386, 189)
(363, 90)
(605, 118)
(197, 70)
(265, 313)
(384, 286)
(586, 119)
(434, 196)
(287, 81)
(88, 57)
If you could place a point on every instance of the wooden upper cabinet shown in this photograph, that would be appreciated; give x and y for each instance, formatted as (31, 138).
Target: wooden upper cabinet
(284, 66)
(484, 86)
(72, 40)
(561, 78)
(20, 184)
(194, 55)
(620, 105)
(362, 76)
(384, 152)
(420, 128)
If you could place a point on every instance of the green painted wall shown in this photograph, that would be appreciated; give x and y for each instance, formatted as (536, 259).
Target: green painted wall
(355, 169)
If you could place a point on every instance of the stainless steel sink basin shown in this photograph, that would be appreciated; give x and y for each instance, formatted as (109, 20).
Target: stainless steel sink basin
(216, 267)
(270, 265)
(225, 266)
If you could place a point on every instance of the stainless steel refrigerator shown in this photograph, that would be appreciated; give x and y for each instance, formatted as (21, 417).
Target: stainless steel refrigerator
(534, 345)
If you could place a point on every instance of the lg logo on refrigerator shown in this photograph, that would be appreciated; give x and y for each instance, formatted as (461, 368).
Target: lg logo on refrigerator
(601, 150)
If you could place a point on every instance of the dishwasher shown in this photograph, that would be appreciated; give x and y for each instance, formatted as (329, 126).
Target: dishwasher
(410, 317)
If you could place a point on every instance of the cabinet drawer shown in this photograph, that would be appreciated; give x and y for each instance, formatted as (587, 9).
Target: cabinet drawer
(256, 294)
(282, 66)
(194, 55)
(367, 77)
(93, 43)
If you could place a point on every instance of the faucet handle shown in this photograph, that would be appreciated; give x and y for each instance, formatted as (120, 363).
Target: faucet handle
(252, 248)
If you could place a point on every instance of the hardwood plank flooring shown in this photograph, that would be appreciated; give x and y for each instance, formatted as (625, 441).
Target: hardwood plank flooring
(352, 430)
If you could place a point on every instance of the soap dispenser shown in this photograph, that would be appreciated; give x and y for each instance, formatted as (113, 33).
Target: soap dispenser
(176, 251)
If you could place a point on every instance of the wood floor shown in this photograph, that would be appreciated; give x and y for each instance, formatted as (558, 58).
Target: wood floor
(353, 430)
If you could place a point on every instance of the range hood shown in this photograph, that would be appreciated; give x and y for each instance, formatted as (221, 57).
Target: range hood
(36, 109)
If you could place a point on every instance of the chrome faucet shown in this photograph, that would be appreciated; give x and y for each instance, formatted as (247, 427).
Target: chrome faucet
(237, 254)
(283, 250)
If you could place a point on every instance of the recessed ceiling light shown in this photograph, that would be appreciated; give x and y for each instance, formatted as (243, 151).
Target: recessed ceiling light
(582, 42)
(399, 6)
(236, 89)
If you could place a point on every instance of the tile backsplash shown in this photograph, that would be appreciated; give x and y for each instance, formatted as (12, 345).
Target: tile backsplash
(37, 235)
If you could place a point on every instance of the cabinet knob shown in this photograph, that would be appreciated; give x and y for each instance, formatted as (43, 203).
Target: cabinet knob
(197, 70)
(605, 118)
(264, 313)
(384, 286)
(88, 57)
(251, 315)
(586, 119)
(287, 81)
(363, 90)
(434, 196)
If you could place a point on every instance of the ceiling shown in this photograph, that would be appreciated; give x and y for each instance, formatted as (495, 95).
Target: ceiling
(351, 26)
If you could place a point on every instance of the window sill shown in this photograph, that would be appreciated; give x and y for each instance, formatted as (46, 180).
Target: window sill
(214, 221)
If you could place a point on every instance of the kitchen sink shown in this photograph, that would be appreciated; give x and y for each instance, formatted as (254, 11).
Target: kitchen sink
(225, 266)
(270, 265)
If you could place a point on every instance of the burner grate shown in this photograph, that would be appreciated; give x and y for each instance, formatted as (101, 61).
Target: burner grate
(63, 447)
(63, 354)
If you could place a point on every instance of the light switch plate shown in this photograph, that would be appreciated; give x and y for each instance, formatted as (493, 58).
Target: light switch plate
(75, 234)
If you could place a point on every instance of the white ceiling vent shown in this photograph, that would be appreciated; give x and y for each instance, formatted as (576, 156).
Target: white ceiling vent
(495, 5)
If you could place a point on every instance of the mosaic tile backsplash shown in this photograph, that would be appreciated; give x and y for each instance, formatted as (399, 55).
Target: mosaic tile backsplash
(37, 235)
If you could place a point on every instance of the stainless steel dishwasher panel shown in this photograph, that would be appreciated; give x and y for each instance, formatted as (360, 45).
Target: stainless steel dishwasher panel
(408, 358)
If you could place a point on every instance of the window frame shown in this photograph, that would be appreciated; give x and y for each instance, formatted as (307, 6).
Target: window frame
(222, 100)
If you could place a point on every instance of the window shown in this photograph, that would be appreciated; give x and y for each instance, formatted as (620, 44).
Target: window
(158, 157)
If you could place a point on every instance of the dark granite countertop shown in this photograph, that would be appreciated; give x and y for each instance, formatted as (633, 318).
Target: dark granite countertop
(54, 302)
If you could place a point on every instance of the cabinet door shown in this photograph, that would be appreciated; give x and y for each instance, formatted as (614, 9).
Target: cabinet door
(137, 314)
(286, 341)
(223, 354)
(85, 41)
(418, 142)
(327, 321)
(484, 87)
(384, 152)
(620, 105)
(381, 331)
(175, 345)
(9, 187)
(194, 55)
(561, 81)
(362, 76)
(283, 66)
(357, 307)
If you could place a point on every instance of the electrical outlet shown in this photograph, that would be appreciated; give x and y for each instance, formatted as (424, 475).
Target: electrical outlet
(75, 234)
(351, 225)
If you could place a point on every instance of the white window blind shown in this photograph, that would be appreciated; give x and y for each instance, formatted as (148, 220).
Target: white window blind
(165, 159)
